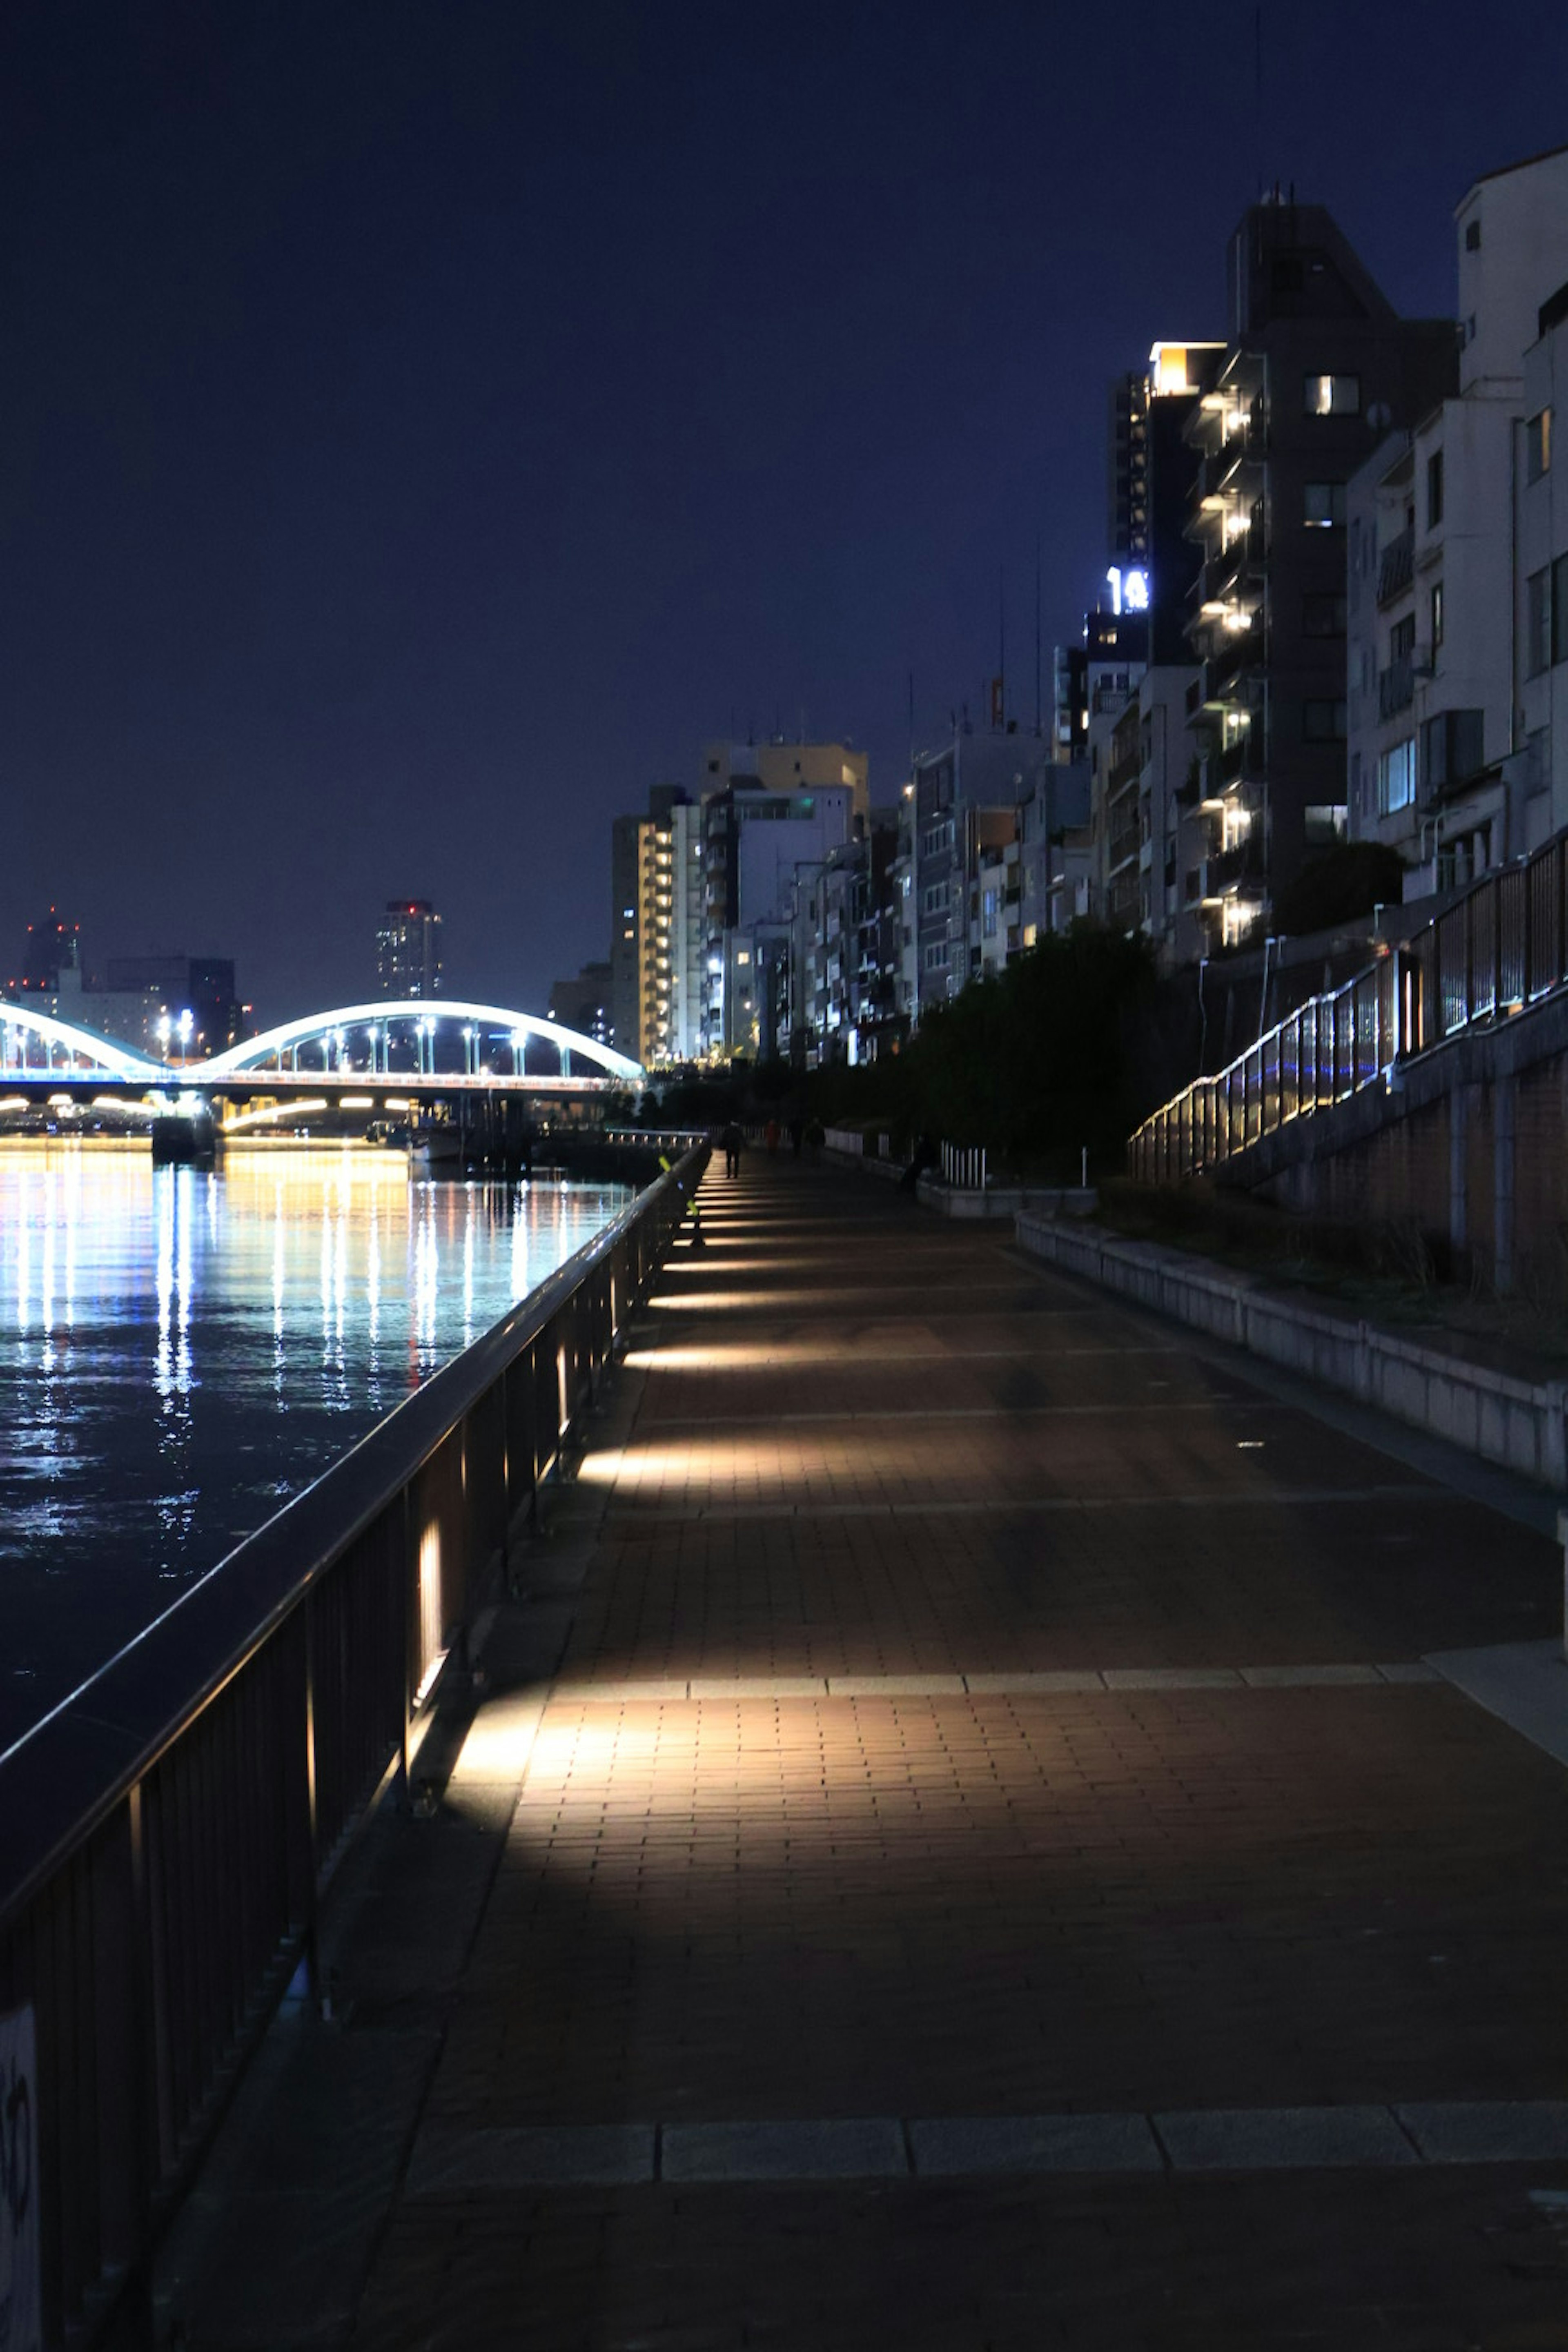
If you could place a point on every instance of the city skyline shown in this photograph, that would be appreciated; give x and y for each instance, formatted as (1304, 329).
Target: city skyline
(420, 445)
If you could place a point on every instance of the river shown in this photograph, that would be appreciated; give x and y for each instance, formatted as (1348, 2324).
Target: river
(181, 1351)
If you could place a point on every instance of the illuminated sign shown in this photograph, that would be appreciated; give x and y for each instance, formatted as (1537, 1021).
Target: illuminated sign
(1129, 590)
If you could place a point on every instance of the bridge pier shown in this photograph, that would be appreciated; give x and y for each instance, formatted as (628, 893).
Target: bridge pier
(186, 1140)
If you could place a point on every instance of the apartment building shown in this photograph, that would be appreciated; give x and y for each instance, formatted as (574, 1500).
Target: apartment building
(1319, 369)
(1447, 761)
(656, 909)
(1541, 581)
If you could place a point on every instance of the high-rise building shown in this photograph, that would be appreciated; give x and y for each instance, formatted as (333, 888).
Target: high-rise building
(1317, 369)
(656, 886)
(50, 947)
(408, 948)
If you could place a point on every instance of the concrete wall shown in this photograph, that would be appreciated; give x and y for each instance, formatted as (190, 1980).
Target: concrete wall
(1518, 1423)
(1472, 1147)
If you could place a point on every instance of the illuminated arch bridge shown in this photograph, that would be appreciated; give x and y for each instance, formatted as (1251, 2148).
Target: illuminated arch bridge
(424, 1047)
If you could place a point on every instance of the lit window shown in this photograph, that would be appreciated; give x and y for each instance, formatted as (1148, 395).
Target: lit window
(1397, 776)
(1334, 395)
(1323, 504)
(1437, 614)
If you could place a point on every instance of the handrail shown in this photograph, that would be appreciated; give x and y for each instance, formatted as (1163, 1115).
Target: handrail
(167, 1832)
(1503, 944)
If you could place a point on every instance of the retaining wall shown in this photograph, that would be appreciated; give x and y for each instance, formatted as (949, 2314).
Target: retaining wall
(1517, 1424)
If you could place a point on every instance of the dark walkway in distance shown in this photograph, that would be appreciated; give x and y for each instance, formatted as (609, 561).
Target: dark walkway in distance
(992, 1869)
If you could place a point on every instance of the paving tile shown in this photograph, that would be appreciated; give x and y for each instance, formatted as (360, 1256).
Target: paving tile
(525, 2157)
(1308, 1677)
(853, 2149)
(1061, 1680)
(1171, 1677)
(1497, 2131)
(986, 2144)
(1282, 2138)
(892, 1686)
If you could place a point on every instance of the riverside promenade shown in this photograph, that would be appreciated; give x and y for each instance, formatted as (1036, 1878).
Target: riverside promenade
(958, 1846)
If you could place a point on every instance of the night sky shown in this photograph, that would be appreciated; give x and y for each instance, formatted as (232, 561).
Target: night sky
(422, 428)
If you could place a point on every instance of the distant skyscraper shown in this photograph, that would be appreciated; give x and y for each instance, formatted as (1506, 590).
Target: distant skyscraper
(50, 947)
(408, 948)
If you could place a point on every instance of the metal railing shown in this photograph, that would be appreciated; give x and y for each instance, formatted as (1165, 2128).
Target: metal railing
(1327, 1050)
(963, 1167)
(1502, 945)
(169, 1830)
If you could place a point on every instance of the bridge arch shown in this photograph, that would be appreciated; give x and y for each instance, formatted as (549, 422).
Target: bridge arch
(106, 1058)
(420, 1014)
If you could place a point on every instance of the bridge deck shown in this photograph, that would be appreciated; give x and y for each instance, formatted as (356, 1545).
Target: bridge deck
(990, 1868)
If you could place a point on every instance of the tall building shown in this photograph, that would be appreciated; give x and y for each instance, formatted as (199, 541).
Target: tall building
(50, 947)
(656, 906)
(1450, 757)
(408, 948)
(1317, 369)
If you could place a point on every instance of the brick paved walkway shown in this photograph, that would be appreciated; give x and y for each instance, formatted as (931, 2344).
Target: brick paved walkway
(991, 1870)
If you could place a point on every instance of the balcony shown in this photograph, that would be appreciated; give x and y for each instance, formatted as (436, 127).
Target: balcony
(1240, 649)
(1396, 686)
(1232, 761)
(1225, 870)
(1396, 566)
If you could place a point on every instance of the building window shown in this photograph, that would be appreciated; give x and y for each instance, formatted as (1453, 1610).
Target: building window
(1324, 506)
(1472, 237)
(1538, 444)
(1323, 722)
(1397, 777)
(936, 956)
(1537, 630)
(1334, 395)
(1434, 489)
(1322, 617)
(933, 899)
(1326, 822)
(1560, 609)
(1452, 748)
(1437, 614)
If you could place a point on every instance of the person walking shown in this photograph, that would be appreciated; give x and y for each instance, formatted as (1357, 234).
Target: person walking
(733, 1141)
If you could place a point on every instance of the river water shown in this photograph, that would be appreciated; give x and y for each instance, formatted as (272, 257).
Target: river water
(180, 1352)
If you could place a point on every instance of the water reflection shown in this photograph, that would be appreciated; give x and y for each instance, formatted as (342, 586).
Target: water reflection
(180, 1352)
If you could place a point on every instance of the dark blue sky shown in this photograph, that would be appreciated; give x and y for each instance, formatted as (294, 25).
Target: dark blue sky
(423, 426)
